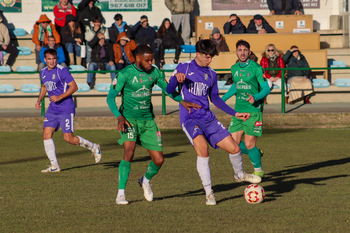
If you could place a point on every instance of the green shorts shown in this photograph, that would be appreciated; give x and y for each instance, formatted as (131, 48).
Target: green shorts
(252, 127)
(144, 132)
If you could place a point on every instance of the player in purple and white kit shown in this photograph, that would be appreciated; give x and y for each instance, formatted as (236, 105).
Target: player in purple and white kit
(196, 83)
(60, 85)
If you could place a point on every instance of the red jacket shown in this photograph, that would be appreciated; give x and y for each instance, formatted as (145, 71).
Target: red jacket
(61, 13)
(265, 64)
(128, 47)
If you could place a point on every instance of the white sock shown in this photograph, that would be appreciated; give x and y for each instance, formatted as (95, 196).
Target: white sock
(204, 173)
(145, 180)
(121, 192)
(259, 169)
(237, 164)
(51, 151)
(85, 143)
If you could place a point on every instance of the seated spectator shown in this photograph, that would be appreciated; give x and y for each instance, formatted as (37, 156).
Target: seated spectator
(234, 25)
(299, 80)
(51, 44)
(219, 40)
(143, 33)
(72, 38)
(169, 40)
(123, 51)
(101, 59)
(117, 27)
(43, 28)
(91, 32)
(60, 11)
(87, 11)
(259, 25)
(272, 58)
(275, 7)
(6, 45)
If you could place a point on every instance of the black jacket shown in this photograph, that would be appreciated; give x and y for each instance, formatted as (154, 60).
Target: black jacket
(170, 37)
(292, 62)
(85, 14)
(143, 35)
(237, 29)
(265, 25)
(114, 32)
(95, 55)
(66, 34)
(276, 5)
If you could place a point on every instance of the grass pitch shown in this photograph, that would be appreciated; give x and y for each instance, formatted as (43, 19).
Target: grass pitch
(307, 186)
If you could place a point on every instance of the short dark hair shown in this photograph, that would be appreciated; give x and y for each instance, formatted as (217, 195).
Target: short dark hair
(142, 49)
(294, 47)
(206, 47)
(97, 19)
(50, 51)
(51, 37)
(244, 43)
(233, 15)
(118, 17)
(144, 17)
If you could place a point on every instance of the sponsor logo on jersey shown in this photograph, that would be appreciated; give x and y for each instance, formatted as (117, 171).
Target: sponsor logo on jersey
(45, 119)
(258, 123)
(206, 77)
(51, 86)
(248, 74)
(136, 108)
(240, 75)
(53, 76)
(242, 85)
(141, 75)
(142, 92)
(44, 76)
(198, 89)
(242, 70)
(151, 79)
(141, 81)
(135, 80)
(159, 133)
(236, 74)
(190, 73)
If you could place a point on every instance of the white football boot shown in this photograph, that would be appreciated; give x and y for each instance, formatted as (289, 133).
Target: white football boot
(121, 200)
(253, 179)
(210, 199)
(51, 168)
(96, 151)
(147, 190)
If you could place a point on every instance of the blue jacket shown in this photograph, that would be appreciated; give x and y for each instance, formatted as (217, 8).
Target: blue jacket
(60, 54)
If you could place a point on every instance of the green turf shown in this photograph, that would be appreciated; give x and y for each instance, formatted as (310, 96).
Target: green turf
(306, 183)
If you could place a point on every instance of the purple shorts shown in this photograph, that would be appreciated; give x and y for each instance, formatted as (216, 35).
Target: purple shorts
(65, 121)
(213, 131)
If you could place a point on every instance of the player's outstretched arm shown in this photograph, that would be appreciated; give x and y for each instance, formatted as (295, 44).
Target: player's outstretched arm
(231, 92)
(42, 94)
(217, 101)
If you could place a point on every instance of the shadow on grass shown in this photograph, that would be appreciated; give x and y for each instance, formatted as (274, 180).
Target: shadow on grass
(295, 108)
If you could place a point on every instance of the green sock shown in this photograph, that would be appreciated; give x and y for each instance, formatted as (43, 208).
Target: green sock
(152, 170)
(124, 170)
(244, 149)
(255, 157)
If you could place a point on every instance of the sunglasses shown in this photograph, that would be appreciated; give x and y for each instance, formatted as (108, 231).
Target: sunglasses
(272, 50)
(46, 22)
(234, 20)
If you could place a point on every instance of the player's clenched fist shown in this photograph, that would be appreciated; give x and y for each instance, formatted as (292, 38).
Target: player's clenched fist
(242, 116)
(180, 77)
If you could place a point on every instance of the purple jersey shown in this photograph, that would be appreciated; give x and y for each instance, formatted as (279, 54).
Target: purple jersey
(56, 82)
(200, 83)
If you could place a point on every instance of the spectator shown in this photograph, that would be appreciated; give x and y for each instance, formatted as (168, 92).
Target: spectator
(88, 11)
(91, 32)
(61, 10)
(259, 25)
(123, 51)
(219, 40)
(275, 7)
(42, 29)
(144, 35)
(101, 59)
(299, 80)
(170, 40)
(72, 38)
(234, 25)
(117, 27)
(51, 44)
(272, 58)
(6, 45)
(180, 16)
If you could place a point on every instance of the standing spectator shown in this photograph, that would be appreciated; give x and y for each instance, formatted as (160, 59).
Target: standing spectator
(272, 58)
(170, 39)
(61, 10)
(88, 11)
(91, 32)
(51, 44)
(259, 25)
(234, 25)
(117, 27)
(299, 80)
(72, 38)
(101, 59)
(275, 7)
(180, 16)
(6, 44)
(144, 34)
(43, 28)
(219, 40)
(123, 50)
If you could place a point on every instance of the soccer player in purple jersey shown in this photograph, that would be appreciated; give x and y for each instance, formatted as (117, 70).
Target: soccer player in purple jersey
(60, 85)
(196, 83)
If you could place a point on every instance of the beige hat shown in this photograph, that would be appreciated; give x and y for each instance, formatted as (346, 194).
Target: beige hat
(125, 38)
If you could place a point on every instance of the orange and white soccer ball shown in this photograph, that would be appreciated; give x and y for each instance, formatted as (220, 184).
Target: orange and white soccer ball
(254, 194)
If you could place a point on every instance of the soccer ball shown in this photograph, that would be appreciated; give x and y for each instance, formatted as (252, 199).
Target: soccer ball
(254, 194)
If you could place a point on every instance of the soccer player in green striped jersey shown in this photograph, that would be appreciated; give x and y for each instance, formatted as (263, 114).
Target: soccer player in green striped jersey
(250, 88)
(136, 118)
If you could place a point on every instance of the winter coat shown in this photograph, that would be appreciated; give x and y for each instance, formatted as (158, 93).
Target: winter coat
(86, 14)
(90, 34)
(114, 32)
(128, 47)
(170, 37)
(236, 29)
(95, 54)
(60, 54)
(276, 5)
(51, 30)
(180, 6)
(222, 45)
(265, 25)
(292, 62)
(4, 35)
(265, 63)
(67, 36)
(143, 35)
(61, 13)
